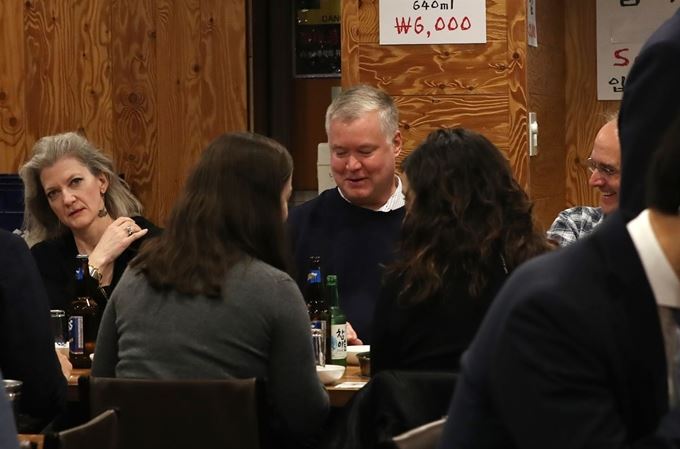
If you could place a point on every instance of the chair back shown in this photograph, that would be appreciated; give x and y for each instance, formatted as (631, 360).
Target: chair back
(180, 414)
(100, 432)
(389, 405)
(426, 436)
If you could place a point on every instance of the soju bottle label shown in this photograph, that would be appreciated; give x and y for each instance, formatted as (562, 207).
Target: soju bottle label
(338, 341)
(76, 334)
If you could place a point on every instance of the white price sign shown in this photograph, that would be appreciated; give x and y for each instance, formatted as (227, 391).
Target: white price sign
(623, 26)
(432, 21)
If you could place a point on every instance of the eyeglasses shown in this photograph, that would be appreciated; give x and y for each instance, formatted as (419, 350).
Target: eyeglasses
(604, 169)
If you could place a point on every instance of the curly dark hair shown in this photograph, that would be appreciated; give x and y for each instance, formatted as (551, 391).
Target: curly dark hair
(465, 216)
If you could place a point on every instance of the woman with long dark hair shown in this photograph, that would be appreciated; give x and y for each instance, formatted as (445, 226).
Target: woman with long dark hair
(210, 298)
(467, 225)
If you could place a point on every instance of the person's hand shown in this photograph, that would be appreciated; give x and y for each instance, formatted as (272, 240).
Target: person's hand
(66, 366)
(116, 239)
(352, 337)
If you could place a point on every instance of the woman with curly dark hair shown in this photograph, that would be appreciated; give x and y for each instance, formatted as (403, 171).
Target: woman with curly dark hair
(468, 224)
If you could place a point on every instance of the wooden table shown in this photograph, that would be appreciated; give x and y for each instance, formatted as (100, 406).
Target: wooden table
(338, 393)
(37, 440)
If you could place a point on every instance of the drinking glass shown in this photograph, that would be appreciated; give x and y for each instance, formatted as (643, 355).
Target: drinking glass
(58, 318)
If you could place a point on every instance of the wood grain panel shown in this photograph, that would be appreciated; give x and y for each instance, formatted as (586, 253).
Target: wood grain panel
(584, 113)
(367, 29)
(134, 68)
(179, 106)
(435, 69)
(349, 48)
(150, 81)
(546, 97)
(92, 21)
(12, 87)
(517, 79)
(52, 94)
(223, 56)
(420, 115)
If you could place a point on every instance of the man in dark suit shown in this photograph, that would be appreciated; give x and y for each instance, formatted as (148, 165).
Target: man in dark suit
(650, 102)
(573, 353)
(27, 352)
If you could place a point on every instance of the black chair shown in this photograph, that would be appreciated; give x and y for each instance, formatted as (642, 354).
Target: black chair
(180, 414)
(426, 436)
(390, 404)
(101, 432)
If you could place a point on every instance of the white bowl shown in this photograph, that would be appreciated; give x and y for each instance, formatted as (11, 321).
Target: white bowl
(330, 373)
(352, 352)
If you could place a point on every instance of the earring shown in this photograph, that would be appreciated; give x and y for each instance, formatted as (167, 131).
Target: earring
(102, 212)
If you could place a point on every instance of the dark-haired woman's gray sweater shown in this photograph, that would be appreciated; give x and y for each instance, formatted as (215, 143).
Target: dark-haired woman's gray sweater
(258, 328)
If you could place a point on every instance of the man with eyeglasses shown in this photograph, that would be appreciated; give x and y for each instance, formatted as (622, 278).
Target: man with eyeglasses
(604, 164)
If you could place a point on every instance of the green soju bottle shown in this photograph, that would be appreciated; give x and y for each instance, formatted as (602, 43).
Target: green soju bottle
(338, 330)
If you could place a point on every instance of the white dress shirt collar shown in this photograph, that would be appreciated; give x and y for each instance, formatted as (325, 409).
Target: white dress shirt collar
(395, 201)
(663, 280)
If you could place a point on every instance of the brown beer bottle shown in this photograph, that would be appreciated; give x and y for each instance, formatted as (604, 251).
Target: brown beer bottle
(84, 317)
(317, 305)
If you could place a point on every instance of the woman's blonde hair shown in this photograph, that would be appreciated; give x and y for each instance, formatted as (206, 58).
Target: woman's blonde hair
(40, 222)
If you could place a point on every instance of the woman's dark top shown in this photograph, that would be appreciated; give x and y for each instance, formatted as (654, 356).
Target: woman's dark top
(56, 260)
(431, 335)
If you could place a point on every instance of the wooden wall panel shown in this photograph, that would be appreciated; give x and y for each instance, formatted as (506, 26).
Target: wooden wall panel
(12, 86)
(479, 86)
(546, 97)
(584, 113)
(222, 52)
(149, 81)
(420, 115)
(517, 79)
(350, 38)
(92, 81)
(134, 69)
(52, 94)
(435, 69)
(179, 109)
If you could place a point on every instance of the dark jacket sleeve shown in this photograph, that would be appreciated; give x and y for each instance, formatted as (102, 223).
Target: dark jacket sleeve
(28, 346)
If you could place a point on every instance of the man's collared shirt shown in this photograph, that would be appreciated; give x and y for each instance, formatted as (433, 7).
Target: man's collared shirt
(574, 223)
(666, 288)
(395, 201)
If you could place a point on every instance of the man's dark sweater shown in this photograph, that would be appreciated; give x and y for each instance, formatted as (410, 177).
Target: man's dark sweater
(354, 243)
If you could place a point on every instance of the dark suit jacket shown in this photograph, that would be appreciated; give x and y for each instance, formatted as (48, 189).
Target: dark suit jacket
(27, 346)
(570, 355)
(651, 101)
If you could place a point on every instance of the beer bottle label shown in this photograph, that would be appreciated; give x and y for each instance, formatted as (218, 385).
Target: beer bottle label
(76, 334)
(314, 277)
(338, 341)
(319, 324)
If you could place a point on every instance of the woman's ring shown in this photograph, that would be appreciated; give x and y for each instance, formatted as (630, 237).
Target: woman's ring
(129, 230)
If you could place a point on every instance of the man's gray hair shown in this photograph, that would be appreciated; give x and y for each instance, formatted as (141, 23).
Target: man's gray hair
(357, 101)
(40, 223)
